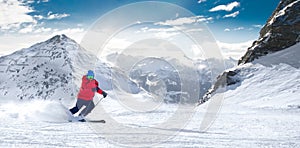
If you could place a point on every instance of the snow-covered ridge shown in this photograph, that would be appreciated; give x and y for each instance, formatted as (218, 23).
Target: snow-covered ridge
(283, 64)
(53, 69)
(280, 32)
(282, 12)
(42, 71)
(171, 79)
(289, 56)
(277, 46)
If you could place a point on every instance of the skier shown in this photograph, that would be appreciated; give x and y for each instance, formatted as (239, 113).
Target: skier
(89, 86)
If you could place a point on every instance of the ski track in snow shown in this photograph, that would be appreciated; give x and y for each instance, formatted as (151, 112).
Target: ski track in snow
(262, 111)
(43, 134)
(252, 115)
(236, 126)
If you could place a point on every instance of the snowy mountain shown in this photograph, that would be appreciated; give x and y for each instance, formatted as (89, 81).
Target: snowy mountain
(260, 105)
(281, 31)
(275, 55)
(52, 70)
(169, 78)
(42, 71)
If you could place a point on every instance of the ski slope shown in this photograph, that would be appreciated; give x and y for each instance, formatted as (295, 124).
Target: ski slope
(236, 126)
(262, 111)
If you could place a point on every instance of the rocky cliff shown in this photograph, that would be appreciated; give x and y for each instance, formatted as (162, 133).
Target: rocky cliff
(281, 31)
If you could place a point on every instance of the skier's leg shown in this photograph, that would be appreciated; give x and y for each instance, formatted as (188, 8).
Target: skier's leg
(89, 107)
(74, 110)
(78, 105)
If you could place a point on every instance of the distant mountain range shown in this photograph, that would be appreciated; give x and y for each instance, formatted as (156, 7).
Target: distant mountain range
(53, 70)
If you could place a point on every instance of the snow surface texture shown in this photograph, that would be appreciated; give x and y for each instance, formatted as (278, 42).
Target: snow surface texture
(262, 111)
(160, 75)
(52, 70)
(37, 72)
(288, 56)
(239, 124)
(279, 72)
(281, 31)
(47, 70)
(281, 80)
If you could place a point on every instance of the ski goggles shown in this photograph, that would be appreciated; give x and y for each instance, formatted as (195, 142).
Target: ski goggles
(90, 77)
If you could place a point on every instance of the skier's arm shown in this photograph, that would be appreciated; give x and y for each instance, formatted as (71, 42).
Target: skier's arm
(100, 91)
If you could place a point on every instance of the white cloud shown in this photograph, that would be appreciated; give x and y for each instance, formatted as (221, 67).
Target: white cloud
(14, 13)
(185, 20)
(51, 16)
(27, 29)
(28, 1)
(117, 43)
(234, 50)
(228, 7)
(71, 32)
(238, 28)
(9, 27)
(160, 32)
(194, 30)
(234, 29)
(74, 33)
(203, 19)
(196, 50)
(165, 35)
(42, 30)
(234, 14)
(171, 29)
(39, 17)
(258, 26)
(179, 21)
(42, 1)
(201, 1)
(227, 30)
(15, 18)
(10, 43)
(146, 29)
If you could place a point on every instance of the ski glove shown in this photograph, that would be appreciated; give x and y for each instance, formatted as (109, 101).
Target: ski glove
(104, 94)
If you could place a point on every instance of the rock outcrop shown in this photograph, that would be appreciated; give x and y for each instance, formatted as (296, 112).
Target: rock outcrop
(281, 31)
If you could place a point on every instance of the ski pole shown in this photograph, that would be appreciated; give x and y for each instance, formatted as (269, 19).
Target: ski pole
(83, 107)
(99, 101)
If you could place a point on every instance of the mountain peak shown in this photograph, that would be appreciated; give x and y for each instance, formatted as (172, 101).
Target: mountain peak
(59, 38)
(281, 31)
(44, 70)
(47, 70)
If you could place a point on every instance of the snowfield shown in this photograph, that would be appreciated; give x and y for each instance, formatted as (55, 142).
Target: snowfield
(235, 126)
(263, 111)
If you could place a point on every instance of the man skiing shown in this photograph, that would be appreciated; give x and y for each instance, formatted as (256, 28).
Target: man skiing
(89, 86)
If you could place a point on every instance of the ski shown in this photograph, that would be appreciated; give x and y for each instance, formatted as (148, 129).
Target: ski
(88, 120)
(72, 118)
(96, 121)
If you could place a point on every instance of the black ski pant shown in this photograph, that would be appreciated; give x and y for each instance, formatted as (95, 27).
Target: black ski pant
(80, 102)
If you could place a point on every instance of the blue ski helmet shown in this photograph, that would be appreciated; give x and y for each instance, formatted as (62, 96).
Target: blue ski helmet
(90, 73)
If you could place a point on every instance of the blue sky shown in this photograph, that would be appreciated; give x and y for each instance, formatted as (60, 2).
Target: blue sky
(252, 14)
(230, 21)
